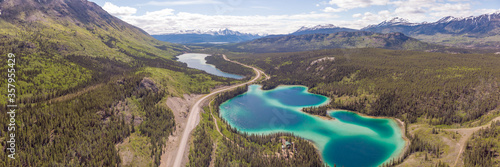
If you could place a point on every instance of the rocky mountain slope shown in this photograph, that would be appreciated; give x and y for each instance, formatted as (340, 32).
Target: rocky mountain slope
(475, 32)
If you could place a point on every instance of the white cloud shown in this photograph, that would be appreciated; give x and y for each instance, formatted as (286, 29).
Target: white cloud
(117, 10)
(169, 21)
(486, 11)
(457, 10)
(369, 18)
(330, 9)
(182, 2)
(351, 4)
(415, 10)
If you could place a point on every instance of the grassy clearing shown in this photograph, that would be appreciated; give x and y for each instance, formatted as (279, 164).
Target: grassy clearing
(135, 150)
(446, 140)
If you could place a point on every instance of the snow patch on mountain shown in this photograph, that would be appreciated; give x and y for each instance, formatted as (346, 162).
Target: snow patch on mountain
(317, 27)
(219, 32)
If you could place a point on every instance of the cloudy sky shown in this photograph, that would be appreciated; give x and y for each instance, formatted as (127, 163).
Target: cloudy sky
(283, 16)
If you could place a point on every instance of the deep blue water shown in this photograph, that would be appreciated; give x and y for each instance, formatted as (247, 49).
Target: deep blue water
(350, 140)
(197, 61)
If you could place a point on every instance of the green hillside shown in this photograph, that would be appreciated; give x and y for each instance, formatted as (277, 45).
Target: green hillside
(292, 43)
(87, 81)
(45, 35)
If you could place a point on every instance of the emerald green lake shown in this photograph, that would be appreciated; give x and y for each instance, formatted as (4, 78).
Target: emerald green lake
(349, 140)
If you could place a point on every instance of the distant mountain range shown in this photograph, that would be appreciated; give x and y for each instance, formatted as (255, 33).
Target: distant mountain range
(479, 26)
(321, 29)
(473, 32)
(358, 39)
(197, 36)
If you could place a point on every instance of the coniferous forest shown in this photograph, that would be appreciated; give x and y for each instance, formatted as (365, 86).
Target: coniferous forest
(229, 67)
(443, 88)
(240, 149)
(484, 147)
(92, 90)
(68, 114)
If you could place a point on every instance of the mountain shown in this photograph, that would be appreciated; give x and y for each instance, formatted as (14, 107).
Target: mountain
(394, 22)
(359, 39)
(196, 36)
(86, 81)
(474, 31)
(58, 38)
(77, 27)
(321, 29)
(483, 25)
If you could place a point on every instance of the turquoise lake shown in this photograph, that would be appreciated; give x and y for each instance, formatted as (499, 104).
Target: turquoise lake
(349, 140)
(197, 61)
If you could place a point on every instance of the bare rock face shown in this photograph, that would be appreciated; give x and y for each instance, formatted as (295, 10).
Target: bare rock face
(148, 84)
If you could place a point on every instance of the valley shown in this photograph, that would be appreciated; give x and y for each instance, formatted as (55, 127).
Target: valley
(251, 83)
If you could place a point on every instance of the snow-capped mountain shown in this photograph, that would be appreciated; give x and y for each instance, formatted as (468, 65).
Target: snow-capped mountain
(207, 36)
(446, 19)
(487, 24)
(396, 21)
(473, 28)
(463, 32)
(211, 32)
(317, 27)
(321, 29)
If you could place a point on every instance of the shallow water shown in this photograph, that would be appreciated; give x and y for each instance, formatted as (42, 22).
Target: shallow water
(197, 61)
(350, 140)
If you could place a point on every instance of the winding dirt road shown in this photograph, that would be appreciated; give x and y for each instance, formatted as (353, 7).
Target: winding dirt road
(195, 110)
(466, 134)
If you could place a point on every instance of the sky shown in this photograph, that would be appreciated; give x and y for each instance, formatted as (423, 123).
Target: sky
(283, 16)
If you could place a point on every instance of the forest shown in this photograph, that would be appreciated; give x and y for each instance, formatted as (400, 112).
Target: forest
(69, 90)
(321, 110)
(484, 147)
(235, 148)
(229, 67)
(442, 88)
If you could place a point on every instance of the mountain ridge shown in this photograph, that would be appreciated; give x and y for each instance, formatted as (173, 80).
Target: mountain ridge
(321, 29)
(451, 25)
(210, 36)
(481, 31)
(357, 39)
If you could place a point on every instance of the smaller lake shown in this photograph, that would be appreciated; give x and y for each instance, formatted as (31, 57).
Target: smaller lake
(351, 140)
(197, 61)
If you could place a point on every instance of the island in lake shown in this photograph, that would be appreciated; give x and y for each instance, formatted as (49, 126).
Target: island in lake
(349, 140)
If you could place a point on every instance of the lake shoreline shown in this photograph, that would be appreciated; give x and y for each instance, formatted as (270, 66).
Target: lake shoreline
(197, 61)
(400, 124)
(400, 143)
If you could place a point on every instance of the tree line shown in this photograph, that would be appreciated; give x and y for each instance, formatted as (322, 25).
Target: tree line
(229, 67)
(482, 149)
(403, 84)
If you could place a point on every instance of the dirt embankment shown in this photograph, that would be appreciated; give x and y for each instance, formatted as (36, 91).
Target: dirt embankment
(180, 108)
